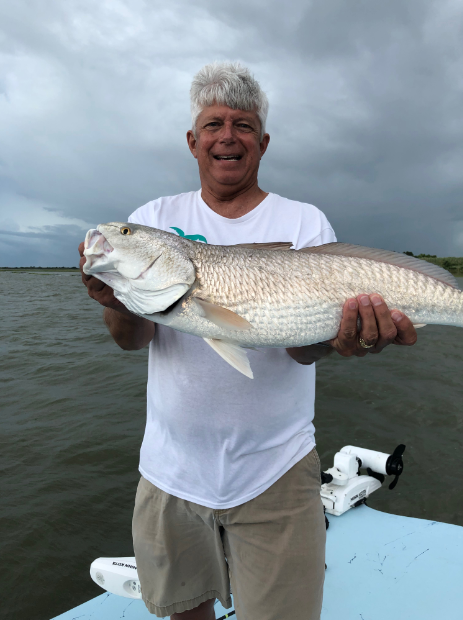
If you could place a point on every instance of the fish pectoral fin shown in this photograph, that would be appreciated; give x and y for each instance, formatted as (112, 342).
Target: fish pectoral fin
(418, 325)
(233, 354)
(223, 318)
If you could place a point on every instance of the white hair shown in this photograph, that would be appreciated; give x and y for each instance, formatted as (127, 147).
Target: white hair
(230, 84)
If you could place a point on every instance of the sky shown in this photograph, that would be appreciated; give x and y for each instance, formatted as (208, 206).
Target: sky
(366, 114)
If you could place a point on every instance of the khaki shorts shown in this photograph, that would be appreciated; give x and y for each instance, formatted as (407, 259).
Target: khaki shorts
(271, 550)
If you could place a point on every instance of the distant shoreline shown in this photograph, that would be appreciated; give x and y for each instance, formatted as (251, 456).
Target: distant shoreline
(39, 269)
(451, 263)
(454, 264)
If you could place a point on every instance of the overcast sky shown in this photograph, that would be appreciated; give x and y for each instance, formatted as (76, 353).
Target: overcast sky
(366, 113)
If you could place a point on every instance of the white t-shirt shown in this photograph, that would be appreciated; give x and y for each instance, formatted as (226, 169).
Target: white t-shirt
(213, 436)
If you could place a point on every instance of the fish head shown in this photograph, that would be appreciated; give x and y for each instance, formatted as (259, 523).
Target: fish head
(147, 268)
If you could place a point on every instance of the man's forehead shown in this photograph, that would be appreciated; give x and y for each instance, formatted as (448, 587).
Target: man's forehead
(223, 112)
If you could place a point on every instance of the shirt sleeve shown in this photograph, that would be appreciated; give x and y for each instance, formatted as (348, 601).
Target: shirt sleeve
(326, 236)
(145, 215)
(315, 229)
(137, 217)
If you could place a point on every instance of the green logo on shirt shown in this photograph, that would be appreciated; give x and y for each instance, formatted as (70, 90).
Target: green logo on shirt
(180, 233)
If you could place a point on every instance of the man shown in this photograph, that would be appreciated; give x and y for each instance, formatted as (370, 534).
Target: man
(230, 487)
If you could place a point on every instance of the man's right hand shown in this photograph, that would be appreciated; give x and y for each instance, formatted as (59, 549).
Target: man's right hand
(130, 332)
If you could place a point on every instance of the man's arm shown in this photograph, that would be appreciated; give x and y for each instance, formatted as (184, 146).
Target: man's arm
(310, 354)
(129, 331)
(380, 327)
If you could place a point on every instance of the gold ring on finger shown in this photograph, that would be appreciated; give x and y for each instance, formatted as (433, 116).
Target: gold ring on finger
(364, 345)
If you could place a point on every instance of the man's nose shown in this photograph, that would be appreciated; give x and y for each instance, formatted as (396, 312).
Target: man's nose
(228, 133)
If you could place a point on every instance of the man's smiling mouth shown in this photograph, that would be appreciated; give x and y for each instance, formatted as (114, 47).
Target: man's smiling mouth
(227, 157)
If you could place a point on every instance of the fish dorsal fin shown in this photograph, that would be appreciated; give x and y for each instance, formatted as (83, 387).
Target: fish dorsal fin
(273, 245)
(222, 317)
(233, 354)
(385, 256)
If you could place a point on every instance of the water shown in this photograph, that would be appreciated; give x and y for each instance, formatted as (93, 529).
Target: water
(72, 419)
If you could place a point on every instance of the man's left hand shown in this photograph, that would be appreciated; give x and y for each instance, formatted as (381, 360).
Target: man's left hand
(379, 327)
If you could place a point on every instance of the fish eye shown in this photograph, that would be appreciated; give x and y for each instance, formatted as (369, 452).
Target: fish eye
(125, 230)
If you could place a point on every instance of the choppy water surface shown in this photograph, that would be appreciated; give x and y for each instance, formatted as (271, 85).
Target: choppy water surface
(72, 417)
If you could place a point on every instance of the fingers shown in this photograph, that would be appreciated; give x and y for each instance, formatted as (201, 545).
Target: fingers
(406, 333)
(379, 327)
(369, 327)
(347, 334)
(103, 294)
(94, 286)
(106, 298)
(346, 342)
(384, 328)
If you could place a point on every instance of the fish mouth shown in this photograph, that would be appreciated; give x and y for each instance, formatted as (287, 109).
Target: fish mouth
(96, 246)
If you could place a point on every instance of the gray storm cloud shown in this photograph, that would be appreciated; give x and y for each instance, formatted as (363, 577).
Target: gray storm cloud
(365, 114)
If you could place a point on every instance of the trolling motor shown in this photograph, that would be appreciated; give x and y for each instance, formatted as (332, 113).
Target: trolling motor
(344, 487)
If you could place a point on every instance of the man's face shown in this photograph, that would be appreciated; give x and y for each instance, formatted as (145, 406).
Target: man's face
(227, 147)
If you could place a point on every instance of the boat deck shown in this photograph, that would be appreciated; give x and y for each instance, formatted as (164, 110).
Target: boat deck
(380, 566)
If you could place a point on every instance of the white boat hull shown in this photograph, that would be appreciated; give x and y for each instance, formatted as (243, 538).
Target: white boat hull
(380, 566)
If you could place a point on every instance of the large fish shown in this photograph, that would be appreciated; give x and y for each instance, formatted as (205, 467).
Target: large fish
(260, 295)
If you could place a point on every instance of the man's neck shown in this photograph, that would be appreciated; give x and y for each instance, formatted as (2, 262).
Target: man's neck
(233, 205)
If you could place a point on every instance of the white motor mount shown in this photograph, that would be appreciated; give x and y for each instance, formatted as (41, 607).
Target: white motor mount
(117, 575)
(343, 487)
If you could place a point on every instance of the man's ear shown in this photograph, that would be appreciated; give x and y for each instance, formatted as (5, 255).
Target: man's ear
(264, 144)
(191, 142)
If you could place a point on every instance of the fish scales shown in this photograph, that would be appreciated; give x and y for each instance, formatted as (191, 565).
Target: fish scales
(311, 297)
